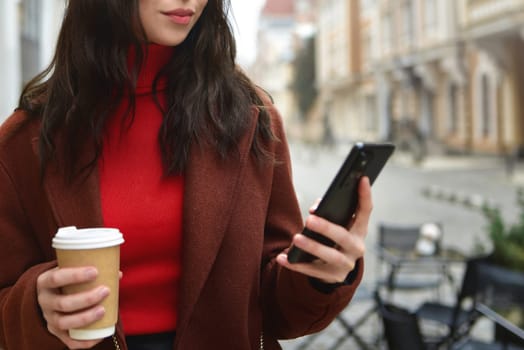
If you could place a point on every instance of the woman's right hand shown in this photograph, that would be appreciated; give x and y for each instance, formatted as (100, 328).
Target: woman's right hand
(63, 312)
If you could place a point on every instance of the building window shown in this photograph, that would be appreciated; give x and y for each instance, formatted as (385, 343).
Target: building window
(486, 106)
(430, 16)
(303, 6)
(366, 5)
(486, 100)
(407, 23)
(31, 19)
(453, 108)
(387, 32)
(366, 48)
(370, 113)
(338, 40)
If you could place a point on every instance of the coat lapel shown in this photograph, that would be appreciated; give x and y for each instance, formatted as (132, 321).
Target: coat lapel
(211, 186)
(75, 204)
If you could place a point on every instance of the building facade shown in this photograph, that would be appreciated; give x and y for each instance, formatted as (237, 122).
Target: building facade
(494, 35)
(272, 68)
(337, 66)
(418, 65)
(432, 75)
(284, 28)
(28, 32)
(9, 57)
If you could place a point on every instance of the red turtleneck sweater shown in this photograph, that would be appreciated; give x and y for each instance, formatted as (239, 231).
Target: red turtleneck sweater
(145, 206)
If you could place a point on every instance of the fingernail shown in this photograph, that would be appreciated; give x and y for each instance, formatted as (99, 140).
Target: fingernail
(103, 292)
(91, 273)
(298, 238)
(100, 312)
(281, 258)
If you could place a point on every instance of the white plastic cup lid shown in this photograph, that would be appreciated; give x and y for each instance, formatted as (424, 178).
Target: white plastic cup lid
(71, 238)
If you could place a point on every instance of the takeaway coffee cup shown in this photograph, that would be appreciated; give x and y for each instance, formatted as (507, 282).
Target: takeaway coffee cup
(98, 247)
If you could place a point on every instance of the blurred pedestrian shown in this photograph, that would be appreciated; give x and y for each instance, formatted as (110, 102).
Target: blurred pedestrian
(143, 122)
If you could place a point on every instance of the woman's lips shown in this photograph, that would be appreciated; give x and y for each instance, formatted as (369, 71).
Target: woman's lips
(180, 16)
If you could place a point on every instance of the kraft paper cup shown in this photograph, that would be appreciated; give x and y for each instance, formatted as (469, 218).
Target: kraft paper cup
(98, 247)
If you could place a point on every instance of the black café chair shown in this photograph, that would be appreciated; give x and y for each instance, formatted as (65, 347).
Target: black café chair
(401, 266)
(458, 318)
(501, 289)
(402, 332)
(482, 284)
(401, 328)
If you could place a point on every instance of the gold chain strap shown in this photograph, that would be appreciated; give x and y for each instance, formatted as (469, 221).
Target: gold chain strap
(262, 340)
(115, 341)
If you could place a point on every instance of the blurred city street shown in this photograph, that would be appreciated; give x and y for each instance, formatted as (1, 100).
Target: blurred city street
(398, 198)
(442, 79)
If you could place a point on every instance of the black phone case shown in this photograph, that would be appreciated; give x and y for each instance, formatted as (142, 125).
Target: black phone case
(341, 199)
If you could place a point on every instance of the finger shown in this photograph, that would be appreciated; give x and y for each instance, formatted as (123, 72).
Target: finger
(350, 244)
(82, 344)
(328, 229)
(327, 254)
(61, 277)
(305, 268)
(79, 301)
(365, 206)
(315, 269)
(342, 258)
(80, 319)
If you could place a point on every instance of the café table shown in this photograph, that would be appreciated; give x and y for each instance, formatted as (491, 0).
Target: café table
(411, 270)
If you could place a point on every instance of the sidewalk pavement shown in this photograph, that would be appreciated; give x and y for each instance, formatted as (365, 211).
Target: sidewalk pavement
(514, 174)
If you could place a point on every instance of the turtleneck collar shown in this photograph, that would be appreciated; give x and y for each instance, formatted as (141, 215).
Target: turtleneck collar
(155, 58)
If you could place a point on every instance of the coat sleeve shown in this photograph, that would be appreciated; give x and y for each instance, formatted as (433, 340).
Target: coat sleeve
(292, 306)
(22, 326)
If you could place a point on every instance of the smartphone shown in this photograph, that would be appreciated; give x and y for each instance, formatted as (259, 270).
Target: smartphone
(340, 201)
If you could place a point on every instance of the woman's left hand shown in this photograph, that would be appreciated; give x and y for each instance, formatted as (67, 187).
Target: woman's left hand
(334, 264)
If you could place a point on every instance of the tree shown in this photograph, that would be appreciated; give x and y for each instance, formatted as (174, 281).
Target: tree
(507, 239)
(303, 83)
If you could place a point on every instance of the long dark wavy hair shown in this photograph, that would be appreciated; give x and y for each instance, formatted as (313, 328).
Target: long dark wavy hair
(208, 97)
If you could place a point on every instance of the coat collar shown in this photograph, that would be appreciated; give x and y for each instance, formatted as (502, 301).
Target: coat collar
(211, 186)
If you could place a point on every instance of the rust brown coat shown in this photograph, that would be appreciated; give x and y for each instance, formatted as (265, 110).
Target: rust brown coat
(237, 216)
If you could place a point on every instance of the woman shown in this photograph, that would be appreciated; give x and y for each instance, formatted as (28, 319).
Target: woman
(143, 122)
